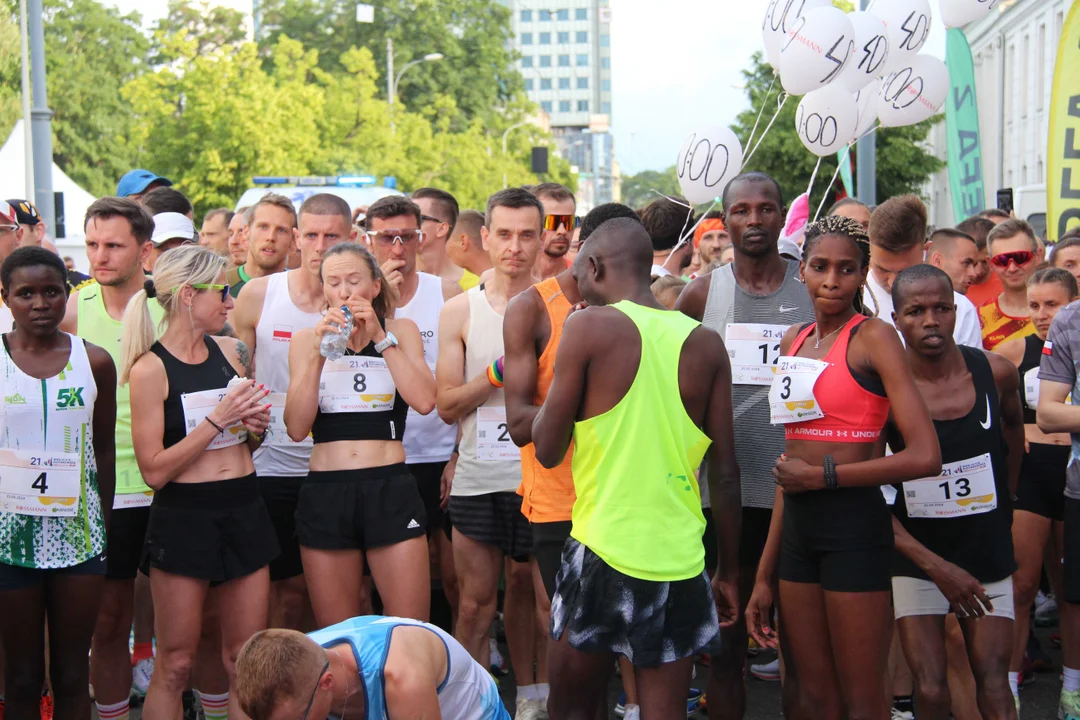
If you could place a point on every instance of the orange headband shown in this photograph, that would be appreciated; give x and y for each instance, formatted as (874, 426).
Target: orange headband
(707, 225)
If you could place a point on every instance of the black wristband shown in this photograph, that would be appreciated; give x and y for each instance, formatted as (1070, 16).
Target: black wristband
(831, 482)
(216, 426)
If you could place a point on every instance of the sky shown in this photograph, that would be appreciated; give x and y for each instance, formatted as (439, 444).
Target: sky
(676, 67)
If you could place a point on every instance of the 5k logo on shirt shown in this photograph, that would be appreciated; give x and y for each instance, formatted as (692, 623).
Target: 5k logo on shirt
(69, 398)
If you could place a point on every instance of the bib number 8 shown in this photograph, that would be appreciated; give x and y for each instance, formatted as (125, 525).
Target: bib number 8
(963, 488)
(359, 383)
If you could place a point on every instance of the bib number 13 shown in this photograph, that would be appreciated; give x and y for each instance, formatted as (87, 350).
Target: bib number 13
(956, 488)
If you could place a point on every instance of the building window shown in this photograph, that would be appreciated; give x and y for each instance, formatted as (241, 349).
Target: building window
(605, 108)
(583, 36)
(545, 61)
(581, 14)
(527, 61)
(605, 85)
(546, 105)
(605, 41)
(1040, 78)
(564, 38)
(564, 83)
(564, 106)
(564, 61)
(562, 14)
(545, 83)
(583, 83)
(545, 16)
(583, 106)
(529, 85)
(526, 38)
(526, 16)
(583, 60)
(605, 63)
(545, 38)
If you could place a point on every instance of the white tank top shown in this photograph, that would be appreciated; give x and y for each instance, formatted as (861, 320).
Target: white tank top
(279, 322)
(483, 346)
(427, 437)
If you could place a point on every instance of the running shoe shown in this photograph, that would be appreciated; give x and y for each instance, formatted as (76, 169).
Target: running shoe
(902, 715)
(1069, 707)
(498, 663)
(190, 704)
(767, 671)
(620, 705)
(693, 701)
(530, 710)
(633, 712)
(140, 676)
(1046, 612)
(46, 706)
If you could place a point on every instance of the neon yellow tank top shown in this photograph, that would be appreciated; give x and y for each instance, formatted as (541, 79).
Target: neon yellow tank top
(638, 503)
(468, 280)
(96, 326)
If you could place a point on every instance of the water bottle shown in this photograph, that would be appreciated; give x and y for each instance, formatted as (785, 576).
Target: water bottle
(333, 345)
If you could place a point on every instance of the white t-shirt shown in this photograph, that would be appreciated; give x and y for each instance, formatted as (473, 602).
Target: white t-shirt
(968, 331)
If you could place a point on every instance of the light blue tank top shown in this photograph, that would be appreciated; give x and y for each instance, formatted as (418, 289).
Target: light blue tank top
(468, 692)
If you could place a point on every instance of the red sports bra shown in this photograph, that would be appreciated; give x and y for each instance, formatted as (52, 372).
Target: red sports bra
(852, 413)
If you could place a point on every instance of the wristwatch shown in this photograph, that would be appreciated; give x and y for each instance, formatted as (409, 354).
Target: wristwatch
(387, 342)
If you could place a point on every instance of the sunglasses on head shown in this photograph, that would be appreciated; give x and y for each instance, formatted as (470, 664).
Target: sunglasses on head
(1017, 257)
(223, 289)
(428, 218)
(552, 222)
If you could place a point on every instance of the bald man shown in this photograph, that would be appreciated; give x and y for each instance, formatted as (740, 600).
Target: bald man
(619, 591)
(956, 253)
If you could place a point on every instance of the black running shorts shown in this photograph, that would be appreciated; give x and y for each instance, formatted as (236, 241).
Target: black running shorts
(494, 519)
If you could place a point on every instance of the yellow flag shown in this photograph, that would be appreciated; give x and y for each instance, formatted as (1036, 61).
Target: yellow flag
(1063, 168)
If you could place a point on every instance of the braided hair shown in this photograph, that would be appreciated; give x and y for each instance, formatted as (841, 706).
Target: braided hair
(846, 227)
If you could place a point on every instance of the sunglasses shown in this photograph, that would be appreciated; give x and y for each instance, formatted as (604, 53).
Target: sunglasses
(224, 289)
(1017, 257)
(8, 228)
(388, 237)
(428, 218)
(311, 700)
(552, 222)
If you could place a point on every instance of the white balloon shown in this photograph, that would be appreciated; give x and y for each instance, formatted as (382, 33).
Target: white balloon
(866, 100)
(815, 50)
(708, 159)
(871, 52)
(781, 16)
(826, 118)
(907, 23)
(914, 92)
(957, 13)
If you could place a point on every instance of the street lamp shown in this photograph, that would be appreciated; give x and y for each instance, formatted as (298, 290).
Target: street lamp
(505, 134)
(392, 81)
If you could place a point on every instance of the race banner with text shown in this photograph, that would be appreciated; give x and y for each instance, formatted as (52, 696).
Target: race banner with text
(962, 130)
(1063, 166)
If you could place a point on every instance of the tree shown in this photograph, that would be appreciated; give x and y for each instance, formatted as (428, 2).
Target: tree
(478, 70)
(637, 190)
(10, 73)
(903, 164)
(212, 27)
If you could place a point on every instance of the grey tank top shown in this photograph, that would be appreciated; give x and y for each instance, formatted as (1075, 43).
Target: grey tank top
(758, 443)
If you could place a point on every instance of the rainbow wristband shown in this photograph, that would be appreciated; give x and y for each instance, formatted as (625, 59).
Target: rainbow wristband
(495, 373)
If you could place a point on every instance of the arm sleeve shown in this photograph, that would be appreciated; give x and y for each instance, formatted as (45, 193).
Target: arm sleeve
(1057, 360)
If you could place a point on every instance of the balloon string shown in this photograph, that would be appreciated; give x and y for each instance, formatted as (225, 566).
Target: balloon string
(783, 99)
(813, 175)
(760, 110)
(847, 152)
(668, 197)
(690, 234)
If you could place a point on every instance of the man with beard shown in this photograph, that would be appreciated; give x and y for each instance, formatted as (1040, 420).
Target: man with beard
(272, 236)
(559, 223)
(750, 303)
(666, 221)
(711, 237)
(118, 245)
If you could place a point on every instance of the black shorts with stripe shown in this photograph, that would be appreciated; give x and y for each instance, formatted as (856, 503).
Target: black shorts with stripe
(494, 519)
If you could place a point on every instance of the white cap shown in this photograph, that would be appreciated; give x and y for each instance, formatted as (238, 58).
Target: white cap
(790, 248)
(171, 225)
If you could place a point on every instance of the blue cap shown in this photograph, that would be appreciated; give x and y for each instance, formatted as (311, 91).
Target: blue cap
(135, 182)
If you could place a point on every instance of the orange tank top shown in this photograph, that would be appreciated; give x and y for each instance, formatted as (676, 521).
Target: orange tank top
(547, 495)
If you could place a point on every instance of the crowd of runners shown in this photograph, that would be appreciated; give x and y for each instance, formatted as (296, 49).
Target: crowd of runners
(298, 463)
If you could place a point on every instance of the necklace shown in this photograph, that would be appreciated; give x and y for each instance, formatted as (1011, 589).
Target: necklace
(819, 339)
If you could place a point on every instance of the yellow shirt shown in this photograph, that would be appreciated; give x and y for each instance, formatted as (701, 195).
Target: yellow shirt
(468, 280)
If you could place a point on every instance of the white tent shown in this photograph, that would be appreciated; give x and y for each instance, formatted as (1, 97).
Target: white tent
(76, 200)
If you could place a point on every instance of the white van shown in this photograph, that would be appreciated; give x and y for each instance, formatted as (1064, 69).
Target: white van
(300, 189)
(1029, 203)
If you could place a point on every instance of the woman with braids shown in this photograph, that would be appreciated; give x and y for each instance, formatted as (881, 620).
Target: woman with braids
(194, 421)
(1039, 508)
(359, 498)
(831, 534)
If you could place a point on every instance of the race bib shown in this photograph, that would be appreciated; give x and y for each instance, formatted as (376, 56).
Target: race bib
(356, 384)
(44, 484)
(198, 405)
(133, 500)
(963, 488)
(1031, 387)
(754, 350)
(791, 396)
(276, 434)
(493, 435)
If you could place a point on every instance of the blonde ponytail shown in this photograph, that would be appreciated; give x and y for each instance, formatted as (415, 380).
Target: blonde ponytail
(185, 265)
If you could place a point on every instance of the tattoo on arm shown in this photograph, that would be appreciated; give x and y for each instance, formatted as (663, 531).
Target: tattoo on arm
(244, 355)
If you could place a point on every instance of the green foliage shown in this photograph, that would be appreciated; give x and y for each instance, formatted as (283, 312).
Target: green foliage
(903, 164)
(10, 69)
(210, 25)
(637, 190)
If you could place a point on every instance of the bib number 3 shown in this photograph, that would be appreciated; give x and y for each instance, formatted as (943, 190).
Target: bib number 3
(791, 396)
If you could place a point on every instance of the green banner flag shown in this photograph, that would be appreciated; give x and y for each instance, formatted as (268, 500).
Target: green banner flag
(962, 129)
(845, 170)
